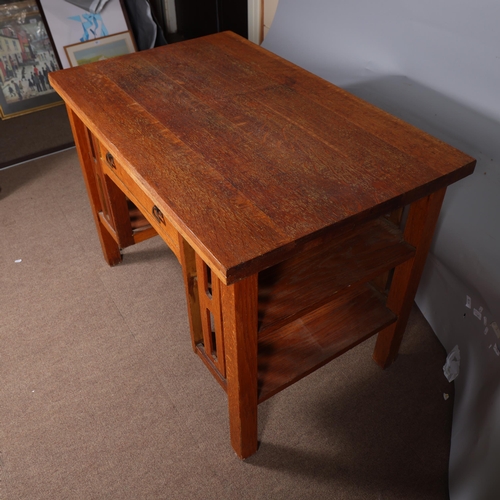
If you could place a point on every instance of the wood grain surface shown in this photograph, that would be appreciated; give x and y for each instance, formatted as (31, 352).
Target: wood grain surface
(247, 155)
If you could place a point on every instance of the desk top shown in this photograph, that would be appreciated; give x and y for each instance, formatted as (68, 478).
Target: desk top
(249, 156)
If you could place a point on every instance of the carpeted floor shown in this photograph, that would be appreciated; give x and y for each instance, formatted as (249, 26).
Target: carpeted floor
(101, 396)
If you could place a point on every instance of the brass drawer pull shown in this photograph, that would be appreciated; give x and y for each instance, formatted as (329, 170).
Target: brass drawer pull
(110, 160)
(158, 215)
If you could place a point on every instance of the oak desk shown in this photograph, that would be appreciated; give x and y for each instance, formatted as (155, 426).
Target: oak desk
(273, 188)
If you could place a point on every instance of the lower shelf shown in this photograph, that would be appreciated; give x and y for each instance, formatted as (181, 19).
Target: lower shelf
(298, 348)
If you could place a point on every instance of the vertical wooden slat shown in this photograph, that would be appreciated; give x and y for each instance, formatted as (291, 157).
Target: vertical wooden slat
(110, 248)
(419, 230)
(119, 213)
(203, 290)
(188, 263)
(216, 310)
(239, 311)
(99, 177)
(211, 315)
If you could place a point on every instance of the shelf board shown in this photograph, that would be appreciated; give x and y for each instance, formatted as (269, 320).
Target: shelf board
(141, 228)
(300, 347)
(299, 285)
(137, 219)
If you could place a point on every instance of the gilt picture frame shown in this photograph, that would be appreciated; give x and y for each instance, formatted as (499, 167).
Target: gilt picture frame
(100, 48)
(27, 56)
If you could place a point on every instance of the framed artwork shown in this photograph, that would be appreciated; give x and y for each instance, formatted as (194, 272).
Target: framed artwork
(100, 48)
(73, 22)
(27, 56)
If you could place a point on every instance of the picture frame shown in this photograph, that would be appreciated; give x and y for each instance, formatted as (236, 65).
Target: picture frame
(26, 57)
(72, 22)
(100, 48)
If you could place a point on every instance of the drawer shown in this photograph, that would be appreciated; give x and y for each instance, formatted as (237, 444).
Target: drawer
(114, 170)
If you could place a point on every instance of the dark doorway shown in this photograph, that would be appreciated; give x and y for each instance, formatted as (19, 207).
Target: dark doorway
(197, 18)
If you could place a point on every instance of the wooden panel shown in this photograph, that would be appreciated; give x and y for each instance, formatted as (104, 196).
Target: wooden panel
(287, 125)
(209, 295)
(297, 349)
(444, 159)
(309, 280)
(277, 149)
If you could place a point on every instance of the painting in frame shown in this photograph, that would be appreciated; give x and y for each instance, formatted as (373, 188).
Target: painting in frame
(26, 57)
(100, 48)
(78, 21)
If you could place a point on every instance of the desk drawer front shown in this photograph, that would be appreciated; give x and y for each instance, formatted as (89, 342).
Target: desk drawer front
(149, 209)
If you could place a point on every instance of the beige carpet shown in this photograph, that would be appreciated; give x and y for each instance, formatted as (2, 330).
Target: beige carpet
(101, 396)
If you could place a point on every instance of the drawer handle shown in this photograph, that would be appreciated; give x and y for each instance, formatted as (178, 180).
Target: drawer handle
(110, 160)
(158, 215)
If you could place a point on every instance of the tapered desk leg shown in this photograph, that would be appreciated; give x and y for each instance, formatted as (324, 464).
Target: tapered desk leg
(87, 156)
(239, 311)
(419, 230)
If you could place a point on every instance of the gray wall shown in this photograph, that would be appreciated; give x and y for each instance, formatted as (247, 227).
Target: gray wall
(436, 64)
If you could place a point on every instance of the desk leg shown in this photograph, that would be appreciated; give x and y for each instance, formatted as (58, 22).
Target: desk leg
(239, 312)
(87, 157)
(419, 230)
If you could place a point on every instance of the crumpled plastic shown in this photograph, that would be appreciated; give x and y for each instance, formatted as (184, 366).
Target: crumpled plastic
(451, 368)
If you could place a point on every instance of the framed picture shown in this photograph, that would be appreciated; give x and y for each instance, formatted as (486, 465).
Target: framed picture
(99, 49)
(72, 22)
(26, 58)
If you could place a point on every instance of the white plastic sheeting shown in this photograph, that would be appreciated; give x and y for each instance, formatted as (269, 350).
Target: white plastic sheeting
(436, 64)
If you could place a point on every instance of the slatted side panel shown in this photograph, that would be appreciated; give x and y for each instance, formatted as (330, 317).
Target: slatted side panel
(211, 315)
